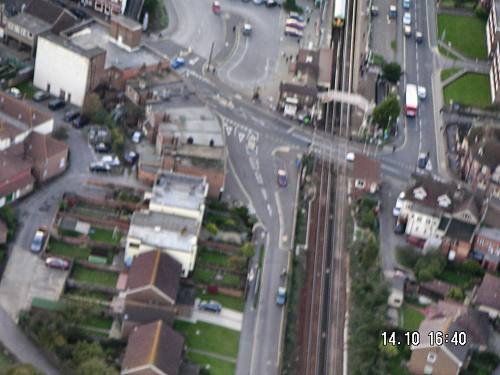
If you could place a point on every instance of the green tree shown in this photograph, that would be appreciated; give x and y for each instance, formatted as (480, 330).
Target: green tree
(22, 369)
(8, 215)
(92, 105)
(387, 112)
(84, 351)
(237, 262)
(368, 219)
(456, 293)
(407, 256)
(212, 229)
(391, 72)
(248, 250)
(158, 17)
(95, 366)
(291, 6)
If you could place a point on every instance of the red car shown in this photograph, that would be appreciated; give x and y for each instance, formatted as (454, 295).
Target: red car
(59, 263)
(216, 7)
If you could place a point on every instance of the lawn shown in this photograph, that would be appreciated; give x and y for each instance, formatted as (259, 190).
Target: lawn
(66, 250)
(217, 366)
(470, 89)
(76, 292)
(447, 73)
(213, 257)
(207, 276)
(471, 43)
(234, 303)
(104, 235)
(410, 318)
(451, 4)
(99, 322)
(209, 337)
(443, 51)
(91, 276)
(482, 364)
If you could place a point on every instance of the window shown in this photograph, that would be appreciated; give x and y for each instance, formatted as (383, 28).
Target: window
(419, 219)
(431, 357)
(360, 184)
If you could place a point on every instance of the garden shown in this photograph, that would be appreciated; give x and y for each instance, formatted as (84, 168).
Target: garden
(471, 89)
(211, 345)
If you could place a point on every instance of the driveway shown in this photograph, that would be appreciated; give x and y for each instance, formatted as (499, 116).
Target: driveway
(226, 318)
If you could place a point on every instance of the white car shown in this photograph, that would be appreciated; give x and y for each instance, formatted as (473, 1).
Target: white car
(407, 18)
(290, 31)
(136, 137)
(422, 92)
(396, 211)
(350, 156)
(15, 92)
(111, 160)
(407, 30)
(247, 29)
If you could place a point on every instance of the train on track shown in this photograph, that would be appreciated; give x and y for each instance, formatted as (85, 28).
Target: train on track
(339, 10)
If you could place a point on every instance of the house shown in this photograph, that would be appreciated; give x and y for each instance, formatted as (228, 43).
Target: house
(25, 22)
(487, 297)
(365, 176)
(434, 289)
(296, 97)
(493, 45)
(175, 235)
(48, 156)
(479, 154)
(428, 200)
(314, 67)
(153, 278)
(178, 194)
(108, 7)
(430, 358)
(486, 248)
(3, 232)
(153, 348)
(73, 64)
(16, 179)
(457, 238)
(189, 140)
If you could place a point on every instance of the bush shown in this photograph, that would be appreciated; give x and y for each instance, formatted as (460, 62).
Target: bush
(429, 266)
(456, 293)
(368, 219)
(291, 6)
(8, 215)
(481, 12)
(212, 229)
(237, 262)
(407, 256)
(60, 133)
(248, 250)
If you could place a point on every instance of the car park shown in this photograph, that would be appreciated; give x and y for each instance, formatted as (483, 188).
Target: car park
(99, 167)
(419, 37)
(131, 157)
(81, 121)
(421, 92)
(136, 137)
(37, 242)
(407, 30)
(290, 31)
(56, 104)
(71, 115)
(56, 262)
(177, 63)
(211, 306)
(291, 22)
(281, 296)
(15, 92)
(407, 18)
(282, 178)
(40, 96)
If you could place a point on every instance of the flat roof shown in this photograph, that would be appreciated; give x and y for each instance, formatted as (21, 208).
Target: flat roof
(162, 230)
(67, 43)
(31, 23)
(96, 35)
(179, 190)
(126, 22)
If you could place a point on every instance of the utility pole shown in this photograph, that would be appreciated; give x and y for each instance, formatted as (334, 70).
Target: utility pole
(210, 56)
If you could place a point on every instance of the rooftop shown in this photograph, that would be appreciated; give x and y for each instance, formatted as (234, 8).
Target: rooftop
(459, 230)
(19, 114)
(492, 233)
(488, 293)
(366, 168)
(126, 22)
(96, 35)
(29, 22)
(164, 231)
(68, 44)
(179, 190)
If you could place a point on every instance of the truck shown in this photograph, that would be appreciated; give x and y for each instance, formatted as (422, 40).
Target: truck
(411, 104)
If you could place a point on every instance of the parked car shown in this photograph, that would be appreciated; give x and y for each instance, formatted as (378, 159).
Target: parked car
(102, 148)
(400, 227)
(131, 157)
(417, 242)
(291, 22)
(55, 262)
(393, 11)
(296, 16)
(216, 7)
(111, 160)
(100, 167)
(71, 115)
(40, 96)
(15, 92)
(258, 2)
(350, 156)
(81, 121)
(419, 37)
(407, 18)
(281, 296)
(79, 13)
(136, 137)
(406, 4)
(422, 92)
(396, 211)
(282, 178)
(56, 104)
(177, 63)
(374, 10)
(291, 31)
(271, 3)
(37, 243)
(247, 29)
(211, 306)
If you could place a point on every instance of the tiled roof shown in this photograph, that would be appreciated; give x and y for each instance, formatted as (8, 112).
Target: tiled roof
(16, 110)
(366, 168)
(154, 344)
(42, 146)
(488, 293)
(154, 268)
(459, 230)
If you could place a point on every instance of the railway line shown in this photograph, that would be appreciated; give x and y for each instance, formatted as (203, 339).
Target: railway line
(326, 305)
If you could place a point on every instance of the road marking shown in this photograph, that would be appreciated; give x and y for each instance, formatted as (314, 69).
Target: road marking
(269, 210)
(264, 193)
(258, 177)
(229, 129)
(241, 136)
(290, 130)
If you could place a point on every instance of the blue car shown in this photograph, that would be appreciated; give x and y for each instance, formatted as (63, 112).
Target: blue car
(296, 16)
(406, 4)
(281, 296)
(178, 63)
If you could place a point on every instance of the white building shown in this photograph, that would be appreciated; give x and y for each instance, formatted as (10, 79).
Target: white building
(66, 70)
(175, 235)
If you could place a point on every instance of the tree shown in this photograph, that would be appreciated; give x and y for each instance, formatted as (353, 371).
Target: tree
(22, 369)
(248, 250)
(368, 219)
(456, 293)
(91, 105)
(84, 351)
(291, 6)
(386, 113)
(158, 18)
(237, 262)
(95, 366)
(212, 229)
(391, 72)
(407, 256)
(8, 215)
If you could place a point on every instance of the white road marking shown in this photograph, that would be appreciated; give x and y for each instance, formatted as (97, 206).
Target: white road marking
(241, 136)
(269, 209)
(264, 193)
(229, 129)
(258, 177)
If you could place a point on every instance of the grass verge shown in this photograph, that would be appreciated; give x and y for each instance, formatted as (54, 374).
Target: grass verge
(471, 89)
(447, 73)
(214, 365)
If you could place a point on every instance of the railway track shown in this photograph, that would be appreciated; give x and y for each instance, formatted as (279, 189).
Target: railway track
(324, 352)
